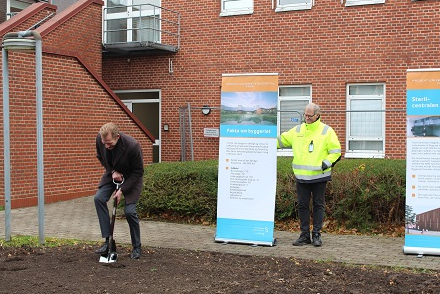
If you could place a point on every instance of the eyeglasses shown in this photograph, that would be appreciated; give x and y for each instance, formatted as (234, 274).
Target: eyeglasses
(309, 116)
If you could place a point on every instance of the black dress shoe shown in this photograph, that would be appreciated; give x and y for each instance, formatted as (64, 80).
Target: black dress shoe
(316, 239)
(136, 253)
(103, 249)
(303, 239)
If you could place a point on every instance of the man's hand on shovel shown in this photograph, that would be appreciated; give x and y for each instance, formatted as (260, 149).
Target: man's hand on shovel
(118, 196)
(118, 179)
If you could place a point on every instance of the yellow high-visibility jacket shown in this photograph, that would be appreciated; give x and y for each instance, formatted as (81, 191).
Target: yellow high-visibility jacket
(312, 145)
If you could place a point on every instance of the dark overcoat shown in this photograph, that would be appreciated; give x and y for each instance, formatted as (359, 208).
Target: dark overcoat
(128, 161)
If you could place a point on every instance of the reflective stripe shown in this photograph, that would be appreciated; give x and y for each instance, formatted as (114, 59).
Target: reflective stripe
(306, 167)
(280, 143)
(313, 177)
(327, 162)
(324, 130)
(334, 151)
(298, 128)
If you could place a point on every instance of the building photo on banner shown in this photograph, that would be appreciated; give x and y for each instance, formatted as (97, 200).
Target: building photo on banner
(422, 232)
(247, 159)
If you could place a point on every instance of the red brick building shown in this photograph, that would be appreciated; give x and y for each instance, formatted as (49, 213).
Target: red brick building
(349, 56)
(76, 102)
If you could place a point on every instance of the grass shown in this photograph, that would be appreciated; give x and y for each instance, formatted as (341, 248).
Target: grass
(30, 241)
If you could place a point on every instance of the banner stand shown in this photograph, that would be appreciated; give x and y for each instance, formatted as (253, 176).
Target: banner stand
(422, 209)
(250, 242)
(247, 159)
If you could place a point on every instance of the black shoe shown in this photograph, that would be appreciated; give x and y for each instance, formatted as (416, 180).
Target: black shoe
(103, 249)
(316, 238)
(303, 239)
(136, 253)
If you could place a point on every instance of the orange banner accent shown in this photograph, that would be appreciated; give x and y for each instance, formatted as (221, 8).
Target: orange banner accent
(250, 83)
(423, 80)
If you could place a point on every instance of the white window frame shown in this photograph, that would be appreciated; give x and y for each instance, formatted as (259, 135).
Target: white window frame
(17, 4)
(306, 98)
(240, 7)
(301, 5)
(129, 16)
(381, 138)
(363, 2)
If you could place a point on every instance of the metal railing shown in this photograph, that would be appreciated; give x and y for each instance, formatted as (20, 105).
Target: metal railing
(141, 23)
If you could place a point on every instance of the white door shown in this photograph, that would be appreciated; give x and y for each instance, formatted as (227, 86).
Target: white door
(145, 105)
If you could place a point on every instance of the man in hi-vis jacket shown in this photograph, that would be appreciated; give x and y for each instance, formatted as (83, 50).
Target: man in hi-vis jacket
(315, 148)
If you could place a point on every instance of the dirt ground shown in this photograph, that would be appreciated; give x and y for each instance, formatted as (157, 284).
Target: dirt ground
(76, 269)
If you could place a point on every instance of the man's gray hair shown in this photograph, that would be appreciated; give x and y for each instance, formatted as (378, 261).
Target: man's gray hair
(111, 128)
(313, 106)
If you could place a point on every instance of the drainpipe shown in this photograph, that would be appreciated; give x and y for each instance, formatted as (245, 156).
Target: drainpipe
(20, 42)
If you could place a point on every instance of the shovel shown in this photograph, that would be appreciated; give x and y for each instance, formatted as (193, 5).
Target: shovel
(111, 255)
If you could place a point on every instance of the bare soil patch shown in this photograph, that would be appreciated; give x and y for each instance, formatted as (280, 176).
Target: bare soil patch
(75, 269)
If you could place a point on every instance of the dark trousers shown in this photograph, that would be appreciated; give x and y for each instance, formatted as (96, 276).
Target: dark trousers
(101, 198)
(317, 192)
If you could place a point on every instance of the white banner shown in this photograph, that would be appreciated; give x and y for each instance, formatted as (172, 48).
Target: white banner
(422, 232)
(247, 159)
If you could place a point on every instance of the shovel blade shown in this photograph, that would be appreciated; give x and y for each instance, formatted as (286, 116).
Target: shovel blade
(108, 258)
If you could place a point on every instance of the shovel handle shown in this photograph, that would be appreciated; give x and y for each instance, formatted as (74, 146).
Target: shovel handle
(118, 184)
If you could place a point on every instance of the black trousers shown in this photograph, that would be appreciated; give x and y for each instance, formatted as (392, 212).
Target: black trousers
(101, 198)
(305, 191)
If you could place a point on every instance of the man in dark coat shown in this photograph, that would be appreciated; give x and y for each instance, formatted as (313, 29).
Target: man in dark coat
(121, 156)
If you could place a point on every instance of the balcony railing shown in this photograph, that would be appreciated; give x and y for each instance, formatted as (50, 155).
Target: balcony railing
(131, 29)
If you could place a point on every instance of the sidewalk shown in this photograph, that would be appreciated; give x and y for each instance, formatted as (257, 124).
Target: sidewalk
(76, 219)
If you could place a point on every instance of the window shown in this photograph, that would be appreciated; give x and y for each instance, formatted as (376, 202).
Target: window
(15, 6)
(363, 2)
(286, 5)
(236, 7)
(365, 121)
(128, 21)
(291, 103)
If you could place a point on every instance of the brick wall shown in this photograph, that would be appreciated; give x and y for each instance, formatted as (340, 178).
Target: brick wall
(77, 29)
(328, 46)
(2, 11)
(75, 106)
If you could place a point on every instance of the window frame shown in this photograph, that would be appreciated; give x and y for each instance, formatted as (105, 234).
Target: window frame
(307, 4)
(237, 11)
(363, 2)
(365, 153)
(9, 6)
(307, 98)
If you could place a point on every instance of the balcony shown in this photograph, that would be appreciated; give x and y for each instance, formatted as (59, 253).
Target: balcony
(140, 29)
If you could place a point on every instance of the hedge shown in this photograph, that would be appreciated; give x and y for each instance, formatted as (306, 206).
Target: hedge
(364, 193)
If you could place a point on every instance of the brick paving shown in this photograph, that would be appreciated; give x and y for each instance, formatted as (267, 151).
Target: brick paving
(76, 219)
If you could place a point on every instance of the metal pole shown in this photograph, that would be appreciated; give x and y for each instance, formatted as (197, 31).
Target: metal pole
(190, 132)
(40, 156)
(37, 47)
(6, 145)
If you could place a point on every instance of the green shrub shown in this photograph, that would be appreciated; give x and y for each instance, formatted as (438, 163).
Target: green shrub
(180, 189)
(364, 193)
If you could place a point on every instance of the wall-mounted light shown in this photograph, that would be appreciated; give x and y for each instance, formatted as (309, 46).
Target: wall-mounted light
(170, 66)
(206, 109)
(166, 127)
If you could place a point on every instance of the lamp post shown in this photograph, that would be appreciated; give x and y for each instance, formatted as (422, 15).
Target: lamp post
(21, 41)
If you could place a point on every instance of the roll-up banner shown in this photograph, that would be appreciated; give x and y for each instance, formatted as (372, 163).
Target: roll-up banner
(247, 159)
(422, 217)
